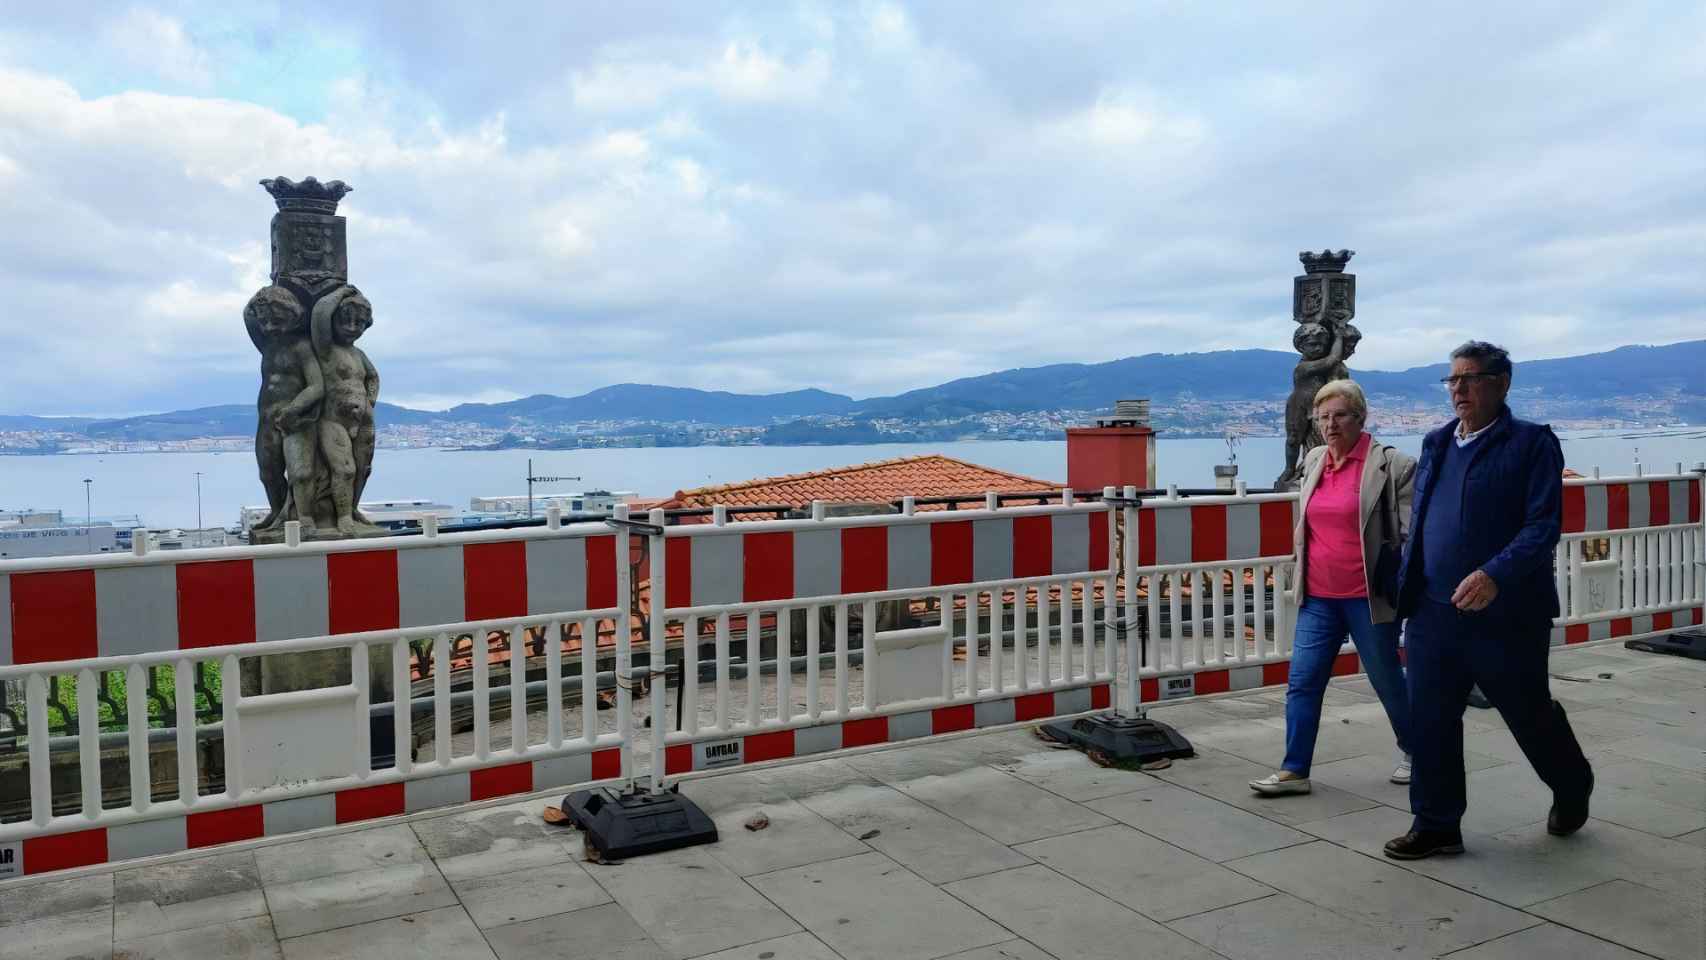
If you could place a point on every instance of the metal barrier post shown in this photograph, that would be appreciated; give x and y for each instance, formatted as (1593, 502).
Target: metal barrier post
(1131, 696)
(657, 636)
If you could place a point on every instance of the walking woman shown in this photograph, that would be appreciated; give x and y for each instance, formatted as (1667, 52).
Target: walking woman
(1356, 509)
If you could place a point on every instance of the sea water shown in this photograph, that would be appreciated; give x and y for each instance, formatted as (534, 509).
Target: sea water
(160, 489)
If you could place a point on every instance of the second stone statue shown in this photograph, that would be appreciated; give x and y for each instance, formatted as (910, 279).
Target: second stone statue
(314, 435)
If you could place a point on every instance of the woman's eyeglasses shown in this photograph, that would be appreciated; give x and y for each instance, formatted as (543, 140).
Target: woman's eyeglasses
(1338, 416)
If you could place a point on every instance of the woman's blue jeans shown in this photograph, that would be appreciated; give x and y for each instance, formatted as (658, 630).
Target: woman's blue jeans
(1322, 624)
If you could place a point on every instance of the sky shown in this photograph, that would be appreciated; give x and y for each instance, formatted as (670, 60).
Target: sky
(864, 197)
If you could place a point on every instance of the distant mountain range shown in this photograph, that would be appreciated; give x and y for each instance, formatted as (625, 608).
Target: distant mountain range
(1588, 383)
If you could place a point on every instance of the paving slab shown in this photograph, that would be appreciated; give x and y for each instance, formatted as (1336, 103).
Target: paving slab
(1608, 723)
(871, 908)
(528, 894)
(83, 933)
(1413, 910)
(184, 894)
(324, 903)
(919, 837)
(1255, 740)
(1659, 747)
(1227, 778)
(1070, 774)
(795, 946)
(795, 836)
(1282, 926)
(604, 932)
(689, 903)
(394, 845)
(1201, 825)
(1252, 708)
(1158, 880)
(1370, 776)
(1664, 924)
(1547, 940)
(910, 763)
(1005, 744)
(1681, 713)
(433, 933)
(1632, 855)
(502, 839)
(1000, 806)
(803, 780)
(249, 938)
(24, 902)
(1008, 950)
(1499, 743)
(1651, 797)
(1504, 797)
(1512, 874)
(1070, 920)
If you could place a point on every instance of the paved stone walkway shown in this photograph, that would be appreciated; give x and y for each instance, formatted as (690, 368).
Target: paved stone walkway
(993, 846)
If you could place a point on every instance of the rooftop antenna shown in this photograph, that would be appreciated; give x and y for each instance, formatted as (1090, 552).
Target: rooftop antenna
(532, 479)
(1232, 442)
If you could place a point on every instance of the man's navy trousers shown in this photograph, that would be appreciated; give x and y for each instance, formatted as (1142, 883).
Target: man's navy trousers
(1446, 652)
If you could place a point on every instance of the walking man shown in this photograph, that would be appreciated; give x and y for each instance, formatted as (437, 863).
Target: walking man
(1476, 583)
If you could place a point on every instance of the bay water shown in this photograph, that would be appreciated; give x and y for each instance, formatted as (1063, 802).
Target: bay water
(160, 489)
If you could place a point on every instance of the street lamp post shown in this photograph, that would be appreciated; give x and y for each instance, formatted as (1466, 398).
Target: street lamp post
(198, 525)
(88, 514)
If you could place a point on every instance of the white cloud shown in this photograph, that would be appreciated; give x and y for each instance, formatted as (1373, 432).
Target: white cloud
(1123, 119)
(867, 198)
(151, 40)
(741, 71)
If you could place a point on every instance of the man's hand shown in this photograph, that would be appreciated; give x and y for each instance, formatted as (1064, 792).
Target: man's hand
(1475, 592)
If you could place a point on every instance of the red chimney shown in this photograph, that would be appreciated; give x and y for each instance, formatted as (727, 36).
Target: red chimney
(1118, 451)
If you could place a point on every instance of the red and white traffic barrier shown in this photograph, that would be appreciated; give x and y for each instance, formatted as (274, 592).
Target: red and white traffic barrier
(81, 607)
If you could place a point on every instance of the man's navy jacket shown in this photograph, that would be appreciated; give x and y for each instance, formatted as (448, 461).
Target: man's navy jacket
(1512, 510)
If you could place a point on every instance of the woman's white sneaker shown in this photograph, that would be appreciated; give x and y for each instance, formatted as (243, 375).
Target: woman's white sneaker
(1401, 774)
(1280, 784)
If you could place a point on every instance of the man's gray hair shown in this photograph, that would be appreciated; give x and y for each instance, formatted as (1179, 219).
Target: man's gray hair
(1490, 357)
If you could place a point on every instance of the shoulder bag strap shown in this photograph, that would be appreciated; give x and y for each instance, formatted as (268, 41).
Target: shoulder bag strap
(1390, 494)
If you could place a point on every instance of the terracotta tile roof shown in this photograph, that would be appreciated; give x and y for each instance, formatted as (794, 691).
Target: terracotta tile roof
(881, 481)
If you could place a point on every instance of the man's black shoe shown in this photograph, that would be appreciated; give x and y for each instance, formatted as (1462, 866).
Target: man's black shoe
(1566, 818)
(1418, 844)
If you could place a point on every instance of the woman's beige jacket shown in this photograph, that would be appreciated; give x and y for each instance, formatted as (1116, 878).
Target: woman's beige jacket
(1382, 461)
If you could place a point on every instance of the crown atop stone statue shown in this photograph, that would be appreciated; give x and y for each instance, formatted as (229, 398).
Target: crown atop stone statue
(308, 196)
(1326, 261)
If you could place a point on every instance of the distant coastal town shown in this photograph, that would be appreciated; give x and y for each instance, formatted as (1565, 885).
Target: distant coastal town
(1180, 417)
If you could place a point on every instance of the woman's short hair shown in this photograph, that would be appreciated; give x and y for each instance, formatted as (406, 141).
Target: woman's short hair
(1348, 390)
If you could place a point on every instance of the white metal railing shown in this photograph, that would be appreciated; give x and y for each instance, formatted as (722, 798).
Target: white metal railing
(326, 730)
(1233, 608)
(1616, 562)
(983, 637)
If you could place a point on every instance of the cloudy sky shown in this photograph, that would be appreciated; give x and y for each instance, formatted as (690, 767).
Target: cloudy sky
(865, 197)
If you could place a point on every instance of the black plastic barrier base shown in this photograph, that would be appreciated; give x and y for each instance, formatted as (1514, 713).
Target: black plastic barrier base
(1122, 739)
(1683, 643)
(620, 826)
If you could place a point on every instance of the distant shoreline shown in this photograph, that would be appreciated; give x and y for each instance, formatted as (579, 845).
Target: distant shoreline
(1583, 433)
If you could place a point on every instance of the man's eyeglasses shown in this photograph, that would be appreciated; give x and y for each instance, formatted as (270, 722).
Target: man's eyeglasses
(1452, 383)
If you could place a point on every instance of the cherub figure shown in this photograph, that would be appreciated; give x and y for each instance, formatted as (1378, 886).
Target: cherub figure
(1323, 360)
(289, 401)
(351, 391)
